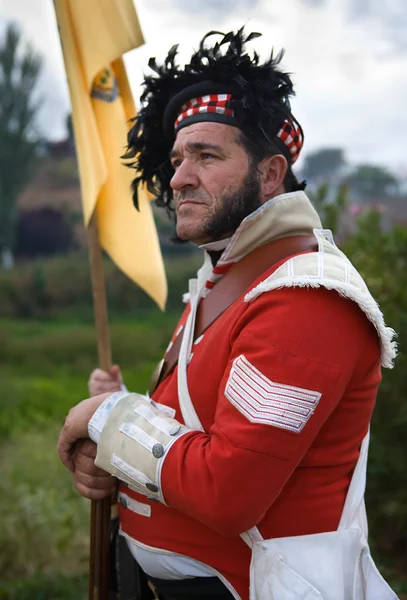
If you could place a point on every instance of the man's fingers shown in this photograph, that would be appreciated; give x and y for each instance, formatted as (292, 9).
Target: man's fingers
(107, 386)
(99, 375)
(66, 448)
(65, 454)
(115, 372)
(106, 482)
(76, 428)
(101, 382)
(91, 493)
(86, 464)
(101, 388)
(87, 448)
(84, 459)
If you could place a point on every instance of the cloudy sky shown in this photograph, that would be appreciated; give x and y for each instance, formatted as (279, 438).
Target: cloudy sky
(348, 59)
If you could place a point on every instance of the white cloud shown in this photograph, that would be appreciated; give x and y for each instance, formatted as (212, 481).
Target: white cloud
(350, 82)
(388, 19)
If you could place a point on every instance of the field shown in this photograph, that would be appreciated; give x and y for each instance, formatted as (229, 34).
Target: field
(44, 370)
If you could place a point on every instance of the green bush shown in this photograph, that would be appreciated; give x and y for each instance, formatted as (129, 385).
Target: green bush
(381, 257)
(46, 587)
(60, 286)
(46, 365)
(45, 522)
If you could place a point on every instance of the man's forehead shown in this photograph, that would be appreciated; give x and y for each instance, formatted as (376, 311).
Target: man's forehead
(205, 133)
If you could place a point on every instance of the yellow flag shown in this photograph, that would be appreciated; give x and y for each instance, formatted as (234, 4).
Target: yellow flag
(94, 35)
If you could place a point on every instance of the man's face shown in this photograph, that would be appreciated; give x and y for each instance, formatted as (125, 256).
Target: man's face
(215, 187)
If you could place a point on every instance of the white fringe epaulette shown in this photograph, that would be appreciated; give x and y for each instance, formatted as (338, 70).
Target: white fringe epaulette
(331, 269)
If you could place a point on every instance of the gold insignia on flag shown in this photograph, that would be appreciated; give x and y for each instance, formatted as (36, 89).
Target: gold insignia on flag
(105, 86)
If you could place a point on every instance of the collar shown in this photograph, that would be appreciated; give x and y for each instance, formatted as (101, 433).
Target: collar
(216, 246)
(281, 216)
(215, 249)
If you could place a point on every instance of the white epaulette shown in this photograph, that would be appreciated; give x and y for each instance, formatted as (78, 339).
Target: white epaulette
(330, 268)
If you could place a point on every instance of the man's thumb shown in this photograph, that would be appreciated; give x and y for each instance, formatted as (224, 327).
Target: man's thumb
(115, 372)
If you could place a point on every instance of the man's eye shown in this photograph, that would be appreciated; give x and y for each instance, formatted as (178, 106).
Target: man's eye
(207, 155)
(176, 163)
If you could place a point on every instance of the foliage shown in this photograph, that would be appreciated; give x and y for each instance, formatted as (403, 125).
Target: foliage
(43, 232)
(330, 210)
(324, 163)
(46, 587)
(69, 126)
(46, 366)
(381, 257)
(64, 289)
(46, 524)
(19, 72)
(372, 181)
(62, 173)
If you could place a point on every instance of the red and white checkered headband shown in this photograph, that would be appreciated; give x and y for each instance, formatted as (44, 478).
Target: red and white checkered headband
(219, 108)
(210, 105)
(291, 134)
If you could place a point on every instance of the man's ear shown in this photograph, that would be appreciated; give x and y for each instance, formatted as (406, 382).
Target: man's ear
(272, 171)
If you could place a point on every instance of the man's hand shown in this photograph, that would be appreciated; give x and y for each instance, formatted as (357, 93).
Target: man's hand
(90, 481)
(101, 382)
(76, 428)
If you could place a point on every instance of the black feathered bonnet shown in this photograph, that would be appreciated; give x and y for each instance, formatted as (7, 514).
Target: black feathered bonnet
(258, 104)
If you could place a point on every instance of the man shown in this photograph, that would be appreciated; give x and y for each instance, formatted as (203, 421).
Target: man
(259, 427)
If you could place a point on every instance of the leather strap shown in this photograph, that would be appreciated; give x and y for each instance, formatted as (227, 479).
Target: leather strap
(233, 284)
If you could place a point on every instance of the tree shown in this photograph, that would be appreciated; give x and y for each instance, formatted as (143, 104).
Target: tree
(69, 127)
(372, 182)
(43, 232)
(324, 163)
(19, 71)
(330, 209)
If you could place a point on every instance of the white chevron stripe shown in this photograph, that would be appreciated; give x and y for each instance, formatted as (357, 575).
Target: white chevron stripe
(264, 401)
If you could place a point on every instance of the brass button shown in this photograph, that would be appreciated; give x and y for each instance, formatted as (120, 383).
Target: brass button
(152, 487)
(158, 450)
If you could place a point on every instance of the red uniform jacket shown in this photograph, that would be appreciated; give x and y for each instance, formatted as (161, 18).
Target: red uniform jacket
(286, 470)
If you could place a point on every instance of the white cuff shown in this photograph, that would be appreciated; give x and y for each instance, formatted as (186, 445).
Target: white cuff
(135, 441)
(98, 421)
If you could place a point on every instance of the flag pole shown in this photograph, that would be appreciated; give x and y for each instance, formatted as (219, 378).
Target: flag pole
(100, 509)
(93, 61)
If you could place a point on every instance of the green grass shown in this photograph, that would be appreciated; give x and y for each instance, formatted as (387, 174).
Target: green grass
(44, 368)
(45, 521)
(46, 587)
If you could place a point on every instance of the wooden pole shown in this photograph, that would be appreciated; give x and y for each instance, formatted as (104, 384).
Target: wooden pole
(100, 509)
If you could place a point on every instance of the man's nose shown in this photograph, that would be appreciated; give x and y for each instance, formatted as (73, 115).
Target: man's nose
(185, 176)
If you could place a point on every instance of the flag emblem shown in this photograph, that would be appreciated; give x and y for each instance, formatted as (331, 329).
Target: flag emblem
(105, 86)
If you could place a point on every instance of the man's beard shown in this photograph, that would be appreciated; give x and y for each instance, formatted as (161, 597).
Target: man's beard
(234, 209)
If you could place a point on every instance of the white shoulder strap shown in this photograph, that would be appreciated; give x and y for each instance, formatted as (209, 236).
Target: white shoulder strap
(354, 513)
(188, 411)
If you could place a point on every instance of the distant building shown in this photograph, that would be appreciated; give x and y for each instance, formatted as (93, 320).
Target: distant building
(59, 149)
